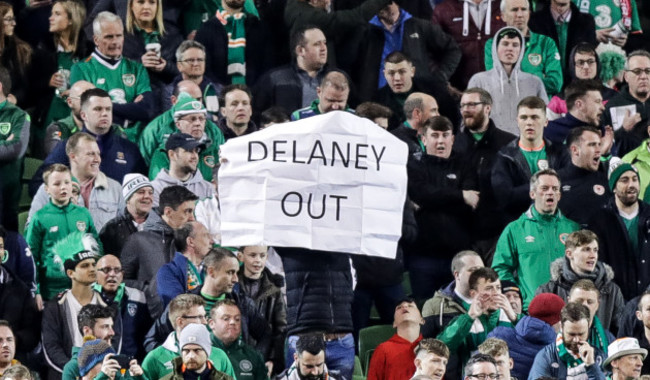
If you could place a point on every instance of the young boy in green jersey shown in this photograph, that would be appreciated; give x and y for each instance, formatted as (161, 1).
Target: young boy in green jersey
(56, 220)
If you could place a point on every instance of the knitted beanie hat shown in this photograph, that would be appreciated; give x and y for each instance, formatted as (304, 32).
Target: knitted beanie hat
(186, 105)
(616, 169)
(547, 307)
(196, 333)
(92, 352)
(132, 182)
(76, 247)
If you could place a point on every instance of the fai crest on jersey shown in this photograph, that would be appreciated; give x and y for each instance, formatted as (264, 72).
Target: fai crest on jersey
(5, 128)
(128, 80)
(209, 160)
(81, 226)
(542, 164)
(535, 59)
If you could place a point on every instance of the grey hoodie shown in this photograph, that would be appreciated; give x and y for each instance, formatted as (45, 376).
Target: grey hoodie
(507, 91)
(196, 184)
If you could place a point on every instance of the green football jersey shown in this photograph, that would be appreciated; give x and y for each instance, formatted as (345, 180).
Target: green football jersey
(608, 12)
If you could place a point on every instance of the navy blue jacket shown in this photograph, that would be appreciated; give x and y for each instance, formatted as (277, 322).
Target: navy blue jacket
(524, 342)
(171, 279)
(558, 130)
(119, 157)
(20, 260)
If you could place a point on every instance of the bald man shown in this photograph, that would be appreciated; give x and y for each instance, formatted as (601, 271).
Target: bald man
(418, 108)
(332, 94)
(133, 315)
(64, 128)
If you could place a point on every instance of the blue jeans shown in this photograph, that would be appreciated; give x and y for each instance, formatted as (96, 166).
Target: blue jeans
(339, 354)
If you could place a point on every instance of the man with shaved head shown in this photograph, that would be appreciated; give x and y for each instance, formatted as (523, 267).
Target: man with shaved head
(62, 129)
(332, 94)
(157, 132)
(131, 304)
(418, 108)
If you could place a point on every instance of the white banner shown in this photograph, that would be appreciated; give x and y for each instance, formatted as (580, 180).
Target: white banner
(333, 182)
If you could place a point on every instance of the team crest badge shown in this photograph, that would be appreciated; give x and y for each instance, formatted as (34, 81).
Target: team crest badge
(542, 164)
(563, 237)
(535, 59)
(246, 365)
(599, 189)
(209, 160)
(5, 128)
(81, 226)
(128, 79)
(132, 309)
(196, 105)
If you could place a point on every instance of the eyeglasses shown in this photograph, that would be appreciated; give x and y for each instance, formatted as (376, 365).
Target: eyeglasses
(470, 104)
(638, 72)
(199, 317)
(108, 270)
(192, 119)
(582, 62)
(193, 61)
(483, 376)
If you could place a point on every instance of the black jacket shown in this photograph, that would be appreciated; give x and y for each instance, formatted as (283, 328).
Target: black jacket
(18, 307)
(116, 232)
(511, 176)
(212, 34)
(433, 52)
(428, 85)
(142, 256)
(410, 137)
(631, 269)
(269, 303)
(582, 28)
(480, 157)
(628, 141)
(229, 134)
(253, 325)
(583, 193)
(436, 185)
(319, 291)
(281, 87)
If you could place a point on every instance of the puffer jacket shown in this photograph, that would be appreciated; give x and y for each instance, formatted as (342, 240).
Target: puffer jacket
(319, 291)
(524, 342)
(143, 255)
(611, 298)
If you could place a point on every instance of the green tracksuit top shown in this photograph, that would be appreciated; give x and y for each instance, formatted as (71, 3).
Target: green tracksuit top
(248, 361)
(529, 245)
(49, 225)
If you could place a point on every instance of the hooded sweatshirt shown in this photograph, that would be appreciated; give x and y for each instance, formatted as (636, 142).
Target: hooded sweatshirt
(506, 90)
(196, 184)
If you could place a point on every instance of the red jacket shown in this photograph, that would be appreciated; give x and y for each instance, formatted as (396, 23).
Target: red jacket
(449, 15)
(393, 359)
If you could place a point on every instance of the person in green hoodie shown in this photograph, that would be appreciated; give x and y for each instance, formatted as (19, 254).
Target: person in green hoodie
(52, 223)
(185, 309)
(225, 326)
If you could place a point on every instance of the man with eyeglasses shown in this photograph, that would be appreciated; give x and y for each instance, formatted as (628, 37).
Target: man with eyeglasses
(570, 356)
(183, 152)
(190, 117)
(156, 133)
(64, 128)
(184, 310)
(130, 303)
(632, 104)
(481, 367)
(190, 62)
(479, 143)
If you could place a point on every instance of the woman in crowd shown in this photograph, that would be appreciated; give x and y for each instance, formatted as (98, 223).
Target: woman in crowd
(147, 39)
(16, 57)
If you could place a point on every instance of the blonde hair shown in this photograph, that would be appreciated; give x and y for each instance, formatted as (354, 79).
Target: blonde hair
(76, 12)
(158, 19)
